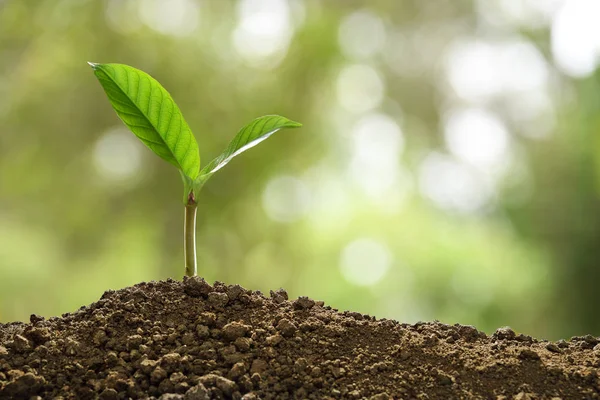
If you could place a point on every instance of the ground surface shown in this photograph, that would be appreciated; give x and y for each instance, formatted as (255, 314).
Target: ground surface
(190, 340)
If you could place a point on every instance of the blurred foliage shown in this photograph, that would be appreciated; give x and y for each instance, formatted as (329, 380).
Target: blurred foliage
(385, 202)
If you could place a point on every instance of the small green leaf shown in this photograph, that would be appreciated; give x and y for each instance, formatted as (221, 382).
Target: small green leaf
(249, 136)
(151, 114)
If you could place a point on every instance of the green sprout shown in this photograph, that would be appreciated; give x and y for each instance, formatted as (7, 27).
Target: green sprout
(150, 113)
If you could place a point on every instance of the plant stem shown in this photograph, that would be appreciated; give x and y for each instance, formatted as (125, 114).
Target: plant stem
(189, 234)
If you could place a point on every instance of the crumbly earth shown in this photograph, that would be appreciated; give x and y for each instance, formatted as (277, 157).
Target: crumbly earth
(191, 340)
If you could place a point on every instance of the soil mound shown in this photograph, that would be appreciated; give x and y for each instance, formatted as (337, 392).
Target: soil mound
(190, 340)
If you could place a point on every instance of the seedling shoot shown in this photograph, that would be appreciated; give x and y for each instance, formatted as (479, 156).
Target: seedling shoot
(150, 113)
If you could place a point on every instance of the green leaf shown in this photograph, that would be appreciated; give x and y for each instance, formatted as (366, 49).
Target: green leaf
(151, 114)
(249, 136)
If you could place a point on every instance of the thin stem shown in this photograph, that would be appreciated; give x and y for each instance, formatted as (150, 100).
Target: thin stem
(189, 234)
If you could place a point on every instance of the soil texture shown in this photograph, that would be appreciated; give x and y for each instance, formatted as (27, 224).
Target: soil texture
(191, 340)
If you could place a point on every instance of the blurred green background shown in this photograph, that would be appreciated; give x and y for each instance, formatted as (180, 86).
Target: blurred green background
(448, 167)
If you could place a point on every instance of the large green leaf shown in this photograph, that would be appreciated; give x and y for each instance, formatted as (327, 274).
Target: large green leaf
(249, 136)
(151, 114)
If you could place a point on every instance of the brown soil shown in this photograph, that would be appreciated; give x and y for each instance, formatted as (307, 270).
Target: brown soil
(190, 340)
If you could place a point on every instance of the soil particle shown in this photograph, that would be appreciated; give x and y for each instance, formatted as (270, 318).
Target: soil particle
(553, 348)
(234, 330)
(109, 394)
(286, 327)
(197, 392)
(196, 286)
(504, 333)
(194, 341)
(279, 295)
(218, 300)
(303, 303)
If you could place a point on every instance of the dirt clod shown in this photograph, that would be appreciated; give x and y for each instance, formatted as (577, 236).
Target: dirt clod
(304, 303)
(286, 327)
(196, 286)
(218, 300)
(234, 330)
(279, 295)
(197, 392)
(194, 341)
(553, 348)
(504, 333)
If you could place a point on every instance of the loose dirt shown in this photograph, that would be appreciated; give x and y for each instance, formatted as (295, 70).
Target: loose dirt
(191, 340)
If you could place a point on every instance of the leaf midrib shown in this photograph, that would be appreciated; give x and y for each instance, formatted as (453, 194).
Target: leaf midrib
(123, 91)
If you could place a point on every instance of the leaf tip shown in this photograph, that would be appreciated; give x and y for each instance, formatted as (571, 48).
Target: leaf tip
(93, 65)
(292, 124)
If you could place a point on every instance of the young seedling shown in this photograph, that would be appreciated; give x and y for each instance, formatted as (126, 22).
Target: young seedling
(151, 114)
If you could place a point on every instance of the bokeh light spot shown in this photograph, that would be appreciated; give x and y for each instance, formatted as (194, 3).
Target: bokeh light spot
(264, 32)
(286, 199)
(122, 16)
(365, 261)
(117, 155)
(173, 17)
(377, 143)
(360, 88)
(525, 13)
(477, 137)
(361, 35)
(452, 185)
(479, 70)
(576, 37)
(332, 205)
